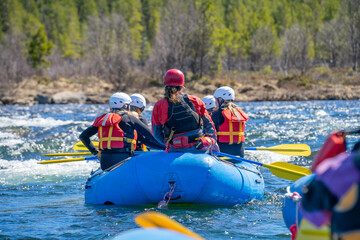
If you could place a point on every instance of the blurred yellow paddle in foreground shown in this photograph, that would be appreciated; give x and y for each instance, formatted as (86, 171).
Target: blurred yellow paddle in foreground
(159, 220)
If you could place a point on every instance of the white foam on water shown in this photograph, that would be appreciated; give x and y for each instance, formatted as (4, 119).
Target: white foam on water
(33, 122)
(16, 172)
(267, 157)
(321, 113)
(10, 142)
(149, 107)
(271, 135)
(9, 139)
(274, 117)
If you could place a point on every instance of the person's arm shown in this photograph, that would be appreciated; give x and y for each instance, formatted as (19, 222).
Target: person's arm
(158, 133)
(317, 203)
(143, 119)
(144, 134)
(159, 110)
(215, 117)
(209, 127)
(85, 138)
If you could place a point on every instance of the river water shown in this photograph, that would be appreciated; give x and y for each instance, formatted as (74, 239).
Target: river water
(47, 201)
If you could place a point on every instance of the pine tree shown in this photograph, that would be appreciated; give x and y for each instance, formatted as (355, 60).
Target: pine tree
(38, 48)
(85, 9)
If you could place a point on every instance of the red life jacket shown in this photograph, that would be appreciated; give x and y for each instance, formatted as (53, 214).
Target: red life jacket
(334, 145)
(110, 134)
(232, 130)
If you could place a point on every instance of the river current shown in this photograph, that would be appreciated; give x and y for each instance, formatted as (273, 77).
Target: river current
(47, 201)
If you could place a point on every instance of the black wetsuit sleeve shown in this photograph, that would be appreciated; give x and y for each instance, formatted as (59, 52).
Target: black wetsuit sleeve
(218, 119)
(85, 138)
(143, 119)
(316, 196)
(143, 132)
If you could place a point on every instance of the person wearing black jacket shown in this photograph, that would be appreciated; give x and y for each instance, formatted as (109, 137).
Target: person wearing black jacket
(118, 133)
(137, 106)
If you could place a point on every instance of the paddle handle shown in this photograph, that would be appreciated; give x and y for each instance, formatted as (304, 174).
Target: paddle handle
(237, 158)
(67, 160)
(251, 149)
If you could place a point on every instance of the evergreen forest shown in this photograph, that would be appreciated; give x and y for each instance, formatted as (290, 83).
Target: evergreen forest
(136, 41)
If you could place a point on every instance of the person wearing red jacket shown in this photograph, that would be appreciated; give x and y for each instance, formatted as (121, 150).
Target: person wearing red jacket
(180, 120)
(229, 122)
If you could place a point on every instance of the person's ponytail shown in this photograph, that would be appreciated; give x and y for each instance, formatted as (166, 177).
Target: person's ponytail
(232, 107)
(170, 93)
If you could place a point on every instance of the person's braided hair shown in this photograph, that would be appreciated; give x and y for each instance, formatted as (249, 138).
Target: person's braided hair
(170, 93)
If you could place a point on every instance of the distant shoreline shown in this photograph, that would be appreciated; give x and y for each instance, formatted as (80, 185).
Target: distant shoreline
(256, 88)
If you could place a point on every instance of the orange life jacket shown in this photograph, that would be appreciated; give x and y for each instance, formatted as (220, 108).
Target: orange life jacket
(110, 134)
(232, 130)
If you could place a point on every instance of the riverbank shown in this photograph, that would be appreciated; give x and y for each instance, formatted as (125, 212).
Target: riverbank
(251, 87)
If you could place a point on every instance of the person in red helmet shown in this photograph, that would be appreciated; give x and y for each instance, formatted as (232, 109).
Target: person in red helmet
(181, 121)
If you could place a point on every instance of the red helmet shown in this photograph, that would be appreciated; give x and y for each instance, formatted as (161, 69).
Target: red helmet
(174, 77)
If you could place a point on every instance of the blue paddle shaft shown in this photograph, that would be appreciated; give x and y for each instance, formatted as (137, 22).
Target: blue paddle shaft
(249, 148)
(91, 158)
(237, 158)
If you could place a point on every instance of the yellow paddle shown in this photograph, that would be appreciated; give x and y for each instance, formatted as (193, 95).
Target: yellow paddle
(67, 154)
(159, 220)
(81, 147)
(287, 149)
(280, 169)
(67, 160)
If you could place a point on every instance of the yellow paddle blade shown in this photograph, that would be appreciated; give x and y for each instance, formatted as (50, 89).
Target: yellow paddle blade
(81, 147)
(290, 149)
(62, 160)
(308, 231)
(66, 154)
(159, 220)
(287, 170)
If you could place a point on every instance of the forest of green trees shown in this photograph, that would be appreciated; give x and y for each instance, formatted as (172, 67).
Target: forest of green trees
(128, 41)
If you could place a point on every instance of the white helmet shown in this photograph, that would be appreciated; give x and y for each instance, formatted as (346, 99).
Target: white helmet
(226, 93)
(118, 100)
(138, 100)
(210, 102)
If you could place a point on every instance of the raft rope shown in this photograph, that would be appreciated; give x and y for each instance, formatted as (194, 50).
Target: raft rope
(296, 198)
(238, 167)
(164, 203)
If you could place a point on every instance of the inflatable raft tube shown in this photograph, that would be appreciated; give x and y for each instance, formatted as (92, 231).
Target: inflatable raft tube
(190, 178)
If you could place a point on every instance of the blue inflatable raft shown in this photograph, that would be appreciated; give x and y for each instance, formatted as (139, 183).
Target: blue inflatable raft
(196, 178)
(289, 208)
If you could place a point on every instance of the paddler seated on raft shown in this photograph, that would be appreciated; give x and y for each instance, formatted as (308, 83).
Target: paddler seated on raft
(180, 120)
(333, 196)
(118, 133)
(137, 106)
(210, 104)
(229, 122)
